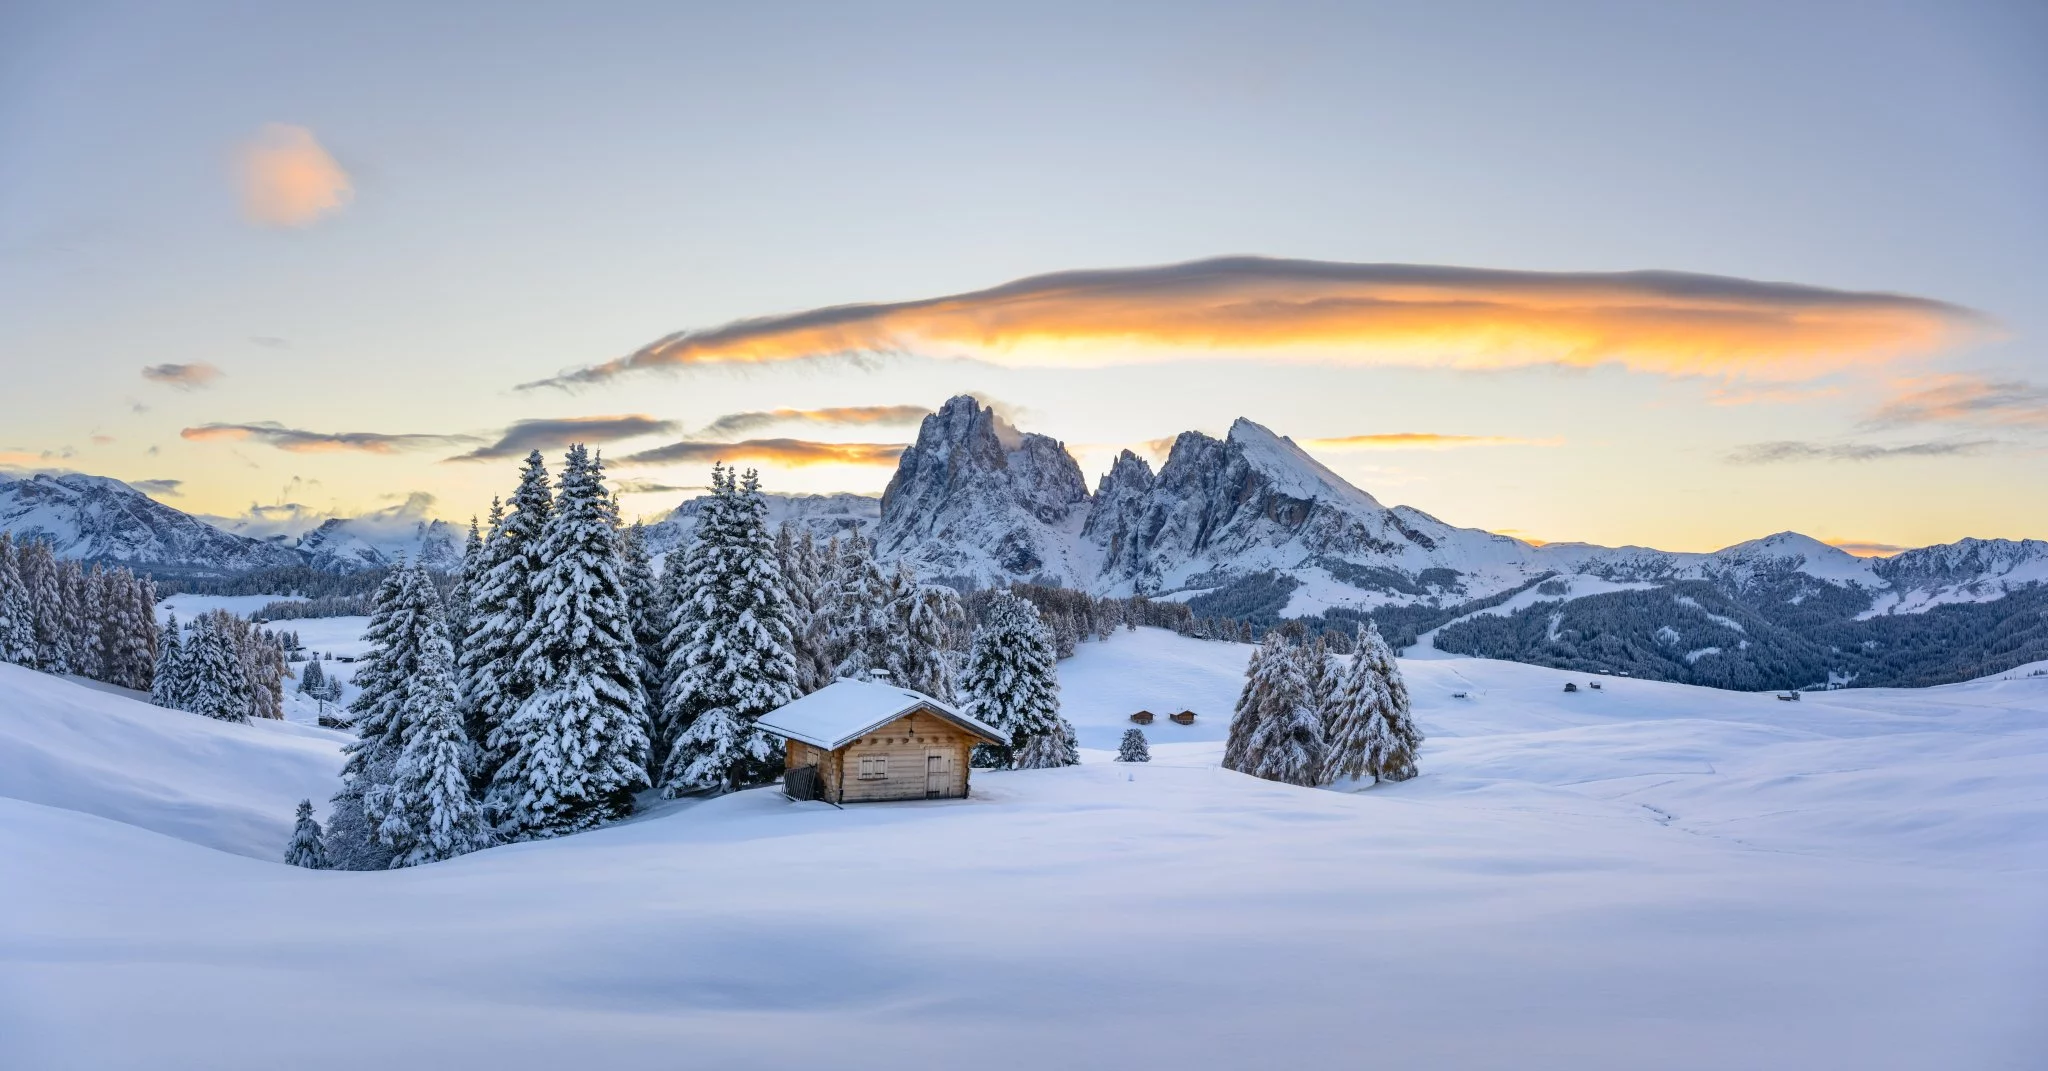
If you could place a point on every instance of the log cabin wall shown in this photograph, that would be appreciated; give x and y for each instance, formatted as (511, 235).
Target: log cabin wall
(906, 744)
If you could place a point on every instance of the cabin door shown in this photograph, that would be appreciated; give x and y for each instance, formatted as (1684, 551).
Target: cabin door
(938, 774)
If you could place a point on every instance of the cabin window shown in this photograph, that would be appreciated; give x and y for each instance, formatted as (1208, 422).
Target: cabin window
(874, 767)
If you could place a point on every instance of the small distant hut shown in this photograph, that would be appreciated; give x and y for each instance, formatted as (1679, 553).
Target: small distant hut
(863, 741)
(1570, 686)
(1185, 717)
(1143, 717)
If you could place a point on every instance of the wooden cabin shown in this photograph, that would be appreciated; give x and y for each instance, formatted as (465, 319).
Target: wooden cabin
(1143, 717)
(1185, 717)
(864, 741)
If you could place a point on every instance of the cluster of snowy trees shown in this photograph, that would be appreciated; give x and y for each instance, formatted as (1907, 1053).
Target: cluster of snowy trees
(317, 683)
(1306, 718)
(60, 616)
(221, 667)
(561, 674)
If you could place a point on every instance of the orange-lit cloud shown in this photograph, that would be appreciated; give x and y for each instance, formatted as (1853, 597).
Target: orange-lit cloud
(193, 376)
(1965, 400)
(851, 415)
(287, 179)
(20, 458)
(792, 453)
(1767, 394)
(1420, 440)
(300, 441)
(1650, 321)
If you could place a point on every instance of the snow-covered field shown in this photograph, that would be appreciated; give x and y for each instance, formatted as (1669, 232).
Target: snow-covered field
(1647, 876)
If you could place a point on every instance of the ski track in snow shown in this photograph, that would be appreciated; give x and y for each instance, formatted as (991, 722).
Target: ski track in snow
(1650, 875)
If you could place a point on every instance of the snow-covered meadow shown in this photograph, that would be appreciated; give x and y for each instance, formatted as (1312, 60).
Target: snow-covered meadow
(1647, 875)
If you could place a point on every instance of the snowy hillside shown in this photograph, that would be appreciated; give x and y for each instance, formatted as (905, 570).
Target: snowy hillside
(1650, 875)
(823, 515)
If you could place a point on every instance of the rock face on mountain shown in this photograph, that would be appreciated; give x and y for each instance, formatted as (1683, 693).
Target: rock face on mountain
(974, 499)
(93, 517)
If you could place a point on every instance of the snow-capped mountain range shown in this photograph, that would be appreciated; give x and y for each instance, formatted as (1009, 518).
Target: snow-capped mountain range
(978, 501)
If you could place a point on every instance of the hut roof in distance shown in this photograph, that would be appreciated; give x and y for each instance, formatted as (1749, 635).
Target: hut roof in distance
(846, 710)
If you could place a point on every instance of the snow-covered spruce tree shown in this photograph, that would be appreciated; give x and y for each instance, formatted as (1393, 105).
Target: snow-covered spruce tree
(738, 662)
(404, 610)
(306, 849)
(1133, 747)
(459, 604)
(260, 659)
(862, 629)
(313, 681)
(648, 607)
(470, 660)
(667, 719)
(1354, 724)
(503, 605)
(214, 683)
(129, 643)
(1244, 718)
(1288, 744)
(427, 812)
(927, 615)
(1398, 762)
(167, 684)
(39, 574)
(17, 619)
(809, 600)
(84, 599)
(575, 749)
(1010, 684)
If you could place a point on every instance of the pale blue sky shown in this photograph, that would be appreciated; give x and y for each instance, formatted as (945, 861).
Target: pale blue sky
(546, 188)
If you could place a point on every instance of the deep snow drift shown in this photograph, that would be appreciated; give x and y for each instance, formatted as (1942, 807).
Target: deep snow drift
(1648, 875)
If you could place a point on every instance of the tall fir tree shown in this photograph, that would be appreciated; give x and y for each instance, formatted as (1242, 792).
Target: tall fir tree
(738, 659)
(923, 658)
(460, 603)
(1355, 724)
(809, 597)
(306, 848)
(504, 606)
(215, 684)
(862, 630)
(1287, 746)
(1244, 717)
(1404, 739)
(428, 812)
(650, 611)
(1011, 685)
(405, 612)
(17, 618)
(45, 585)
(576, 749)
(167, 684)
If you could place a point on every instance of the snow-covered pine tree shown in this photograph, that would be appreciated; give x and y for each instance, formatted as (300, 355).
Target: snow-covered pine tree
(39, 574)
(576, 749)
(427, 812)
(808, 599)
(1354, 724)
(260, 661)
(1133, 747)
(1244, 718)
(313, 681)
(215, 685)
(167, 684)
(460, 610)
(1010, 684)
(131, 642)
(923, 657)
(1288, 743)
(404, 612)
(503, 605)
(83, 590)
(650, 616)
(1398, 762)
(471, 661)
(17, 619)
(738, 662)
(306, 849)
(667, 717)
(862, 630)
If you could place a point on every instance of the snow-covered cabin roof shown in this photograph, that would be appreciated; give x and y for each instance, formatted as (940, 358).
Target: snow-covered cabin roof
(846, 710)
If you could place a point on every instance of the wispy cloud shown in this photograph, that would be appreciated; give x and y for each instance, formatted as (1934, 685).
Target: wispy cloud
(526, 436)
(1965, 400)
(1421, 440)
(733, 424)
(1774, 452)
(632, 486)
(1864, 548)
(182, 376)
(301, 441)
(1649, 321)
(293, 519)
(1767, 394)
(793, 453)
(288, 180)
(157, 487)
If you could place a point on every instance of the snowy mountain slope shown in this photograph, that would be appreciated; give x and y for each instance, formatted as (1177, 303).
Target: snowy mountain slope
(1649, 876)
(347, 544)
(104, 519)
